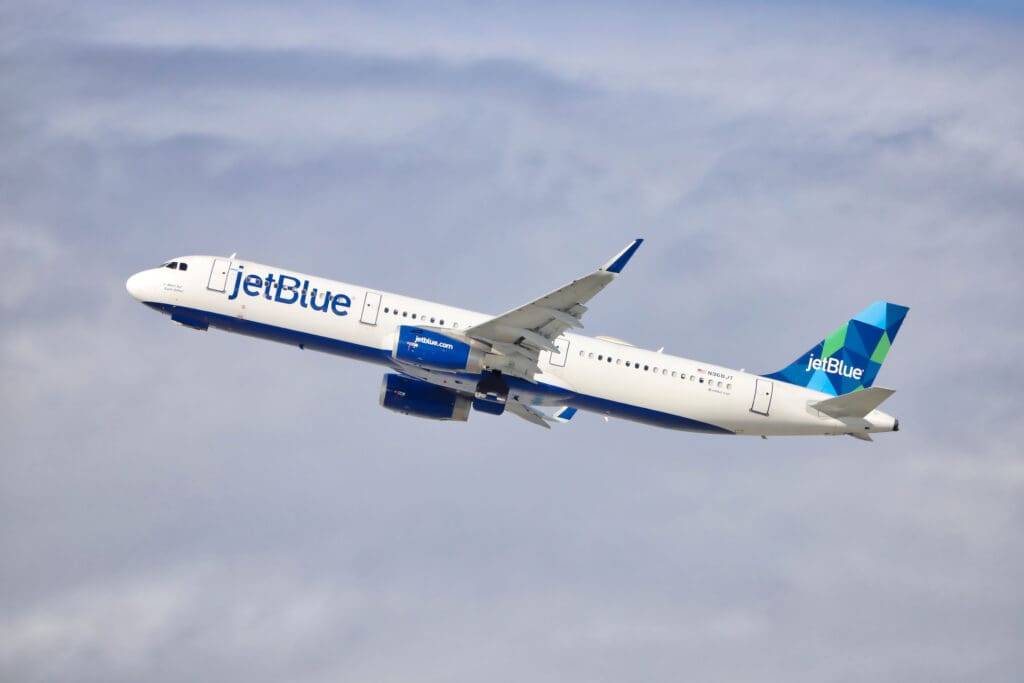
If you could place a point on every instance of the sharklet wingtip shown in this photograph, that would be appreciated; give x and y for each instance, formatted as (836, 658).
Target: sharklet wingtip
(622, 258)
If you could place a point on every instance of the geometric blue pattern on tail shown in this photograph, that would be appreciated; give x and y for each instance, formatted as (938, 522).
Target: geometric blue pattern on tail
(874, 315)
(850, 358)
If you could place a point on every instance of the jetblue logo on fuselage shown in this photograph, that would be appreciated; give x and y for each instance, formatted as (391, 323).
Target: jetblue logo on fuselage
(285, 289)
(834, 366)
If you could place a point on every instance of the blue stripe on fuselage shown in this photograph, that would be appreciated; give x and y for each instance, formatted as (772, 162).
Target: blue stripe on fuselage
(338, 347)
(604, 406)
(251, 328)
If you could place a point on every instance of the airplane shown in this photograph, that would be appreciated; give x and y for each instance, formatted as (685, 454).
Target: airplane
(444, 362)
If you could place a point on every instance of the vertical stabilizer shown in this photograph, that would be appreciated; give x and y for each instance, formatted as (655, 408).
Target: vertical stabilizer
(850, 358)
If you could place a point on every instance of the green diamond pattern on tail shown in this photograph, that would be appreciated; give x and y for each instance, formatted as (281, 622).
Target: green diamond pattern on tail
(835, 341)
(881, 350)
(850, 358)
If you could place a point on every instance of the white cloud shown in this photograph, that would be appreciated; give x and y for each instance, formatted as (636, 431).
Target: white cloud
(30, 255)
(247, 511)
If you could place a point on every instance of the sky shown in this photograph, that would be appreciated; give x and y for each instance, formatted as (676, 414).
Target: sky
(177, 505)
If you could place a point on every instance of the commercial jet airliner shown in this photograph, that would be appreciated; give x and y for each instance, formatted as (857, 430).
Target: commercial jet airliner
(443, 362)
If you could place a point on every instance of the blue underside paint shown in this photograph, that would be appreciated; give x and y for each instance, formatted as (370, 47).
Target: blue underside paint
(338, 347)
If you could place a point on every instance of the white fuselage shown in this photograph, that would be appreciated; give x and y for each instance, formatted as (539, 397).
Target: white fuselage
(594, 374)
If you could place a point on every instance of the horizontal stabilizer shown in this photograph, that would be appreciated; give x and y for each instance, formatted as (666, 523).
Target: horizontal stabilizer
(854, 404)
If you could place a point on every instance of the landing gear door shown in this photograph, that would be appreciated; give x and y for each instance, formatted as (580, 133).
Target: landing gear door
(219, 274)
(558, 359)
(371, 308)
(762, 396)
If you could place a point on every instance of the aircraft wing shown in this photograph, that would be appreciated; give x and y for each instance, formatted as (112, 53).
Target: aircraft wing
(517, 337)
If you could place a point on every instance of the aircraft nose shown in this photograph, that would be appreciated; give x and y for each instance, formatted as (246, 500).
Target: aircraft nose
(135, 287)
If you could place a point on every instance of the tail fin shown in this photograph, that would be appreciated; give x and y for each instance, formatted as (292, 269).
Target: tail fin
(849, 358)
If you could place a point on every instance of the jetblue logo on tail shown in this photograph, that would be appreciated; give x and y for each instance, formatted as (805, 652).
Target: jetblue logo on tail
(833, 366)
(850, 358)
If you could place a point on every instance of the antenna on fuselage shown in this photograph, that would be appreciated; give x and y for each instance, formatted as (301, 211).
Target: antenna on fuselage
(233, 255)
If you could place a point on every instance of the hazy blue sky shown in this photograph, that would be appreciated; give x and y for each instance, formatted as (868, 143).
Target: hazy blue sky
(178, 506)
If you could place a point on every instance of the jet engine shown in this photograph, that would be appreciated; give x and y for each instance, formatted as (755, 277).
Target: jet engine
(414, 397)
(435, 350)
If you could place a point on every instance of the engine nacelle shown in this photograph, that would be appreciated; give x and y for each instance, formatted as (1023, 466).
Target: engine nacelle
(431, 349)
(422, 399)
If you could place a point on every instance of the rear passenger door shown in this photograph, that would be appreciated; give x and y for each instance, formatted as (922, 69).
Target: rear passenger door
(763, 389)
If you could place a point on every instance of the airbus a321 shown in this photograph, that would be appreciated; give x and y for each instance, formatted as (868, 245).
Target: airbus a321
(443, 362)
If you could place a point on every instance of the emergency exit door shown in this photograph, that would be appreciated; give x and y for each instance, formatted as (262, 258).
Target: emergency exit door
(558, 359)
(371, 308)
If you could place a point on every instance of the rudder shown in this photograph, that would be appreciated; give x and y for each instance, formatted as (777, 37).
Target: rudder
(850, 358)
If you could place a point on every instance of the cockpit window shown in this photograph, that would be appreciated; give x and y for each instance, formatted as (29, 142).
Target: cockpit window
(182, 266)
(173, 265)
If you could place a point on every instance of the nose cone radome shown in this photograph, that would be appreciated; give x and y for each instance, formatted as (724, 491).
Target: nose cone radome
(136, 285)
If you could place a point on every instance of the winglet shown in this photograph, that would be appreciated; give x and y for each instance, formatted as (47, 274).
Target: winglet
(622, 258)
(565, 414)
